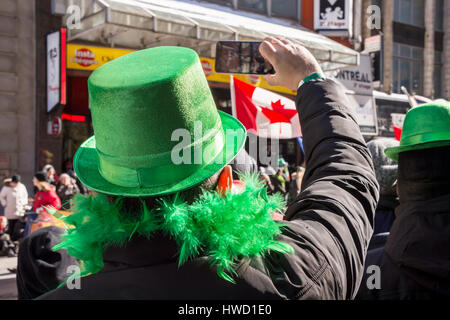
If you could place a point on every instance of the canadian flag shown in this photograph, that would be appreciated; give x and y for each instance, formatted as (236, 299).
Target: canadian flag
(264, 113)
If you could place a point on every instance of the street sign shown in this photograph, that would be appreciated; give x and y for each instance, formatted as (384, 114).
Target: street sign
(373, 44)
(54, 127)
(56, 69)
(358, 81)
(333, 17)
(53, 69)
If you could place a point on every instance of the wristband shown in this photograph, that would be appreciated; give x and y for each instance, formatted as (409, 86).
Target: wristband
(312, 76)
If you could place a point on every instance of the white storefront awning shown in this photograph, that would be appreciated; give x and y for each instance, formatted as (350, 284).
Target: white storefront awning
(146, 23)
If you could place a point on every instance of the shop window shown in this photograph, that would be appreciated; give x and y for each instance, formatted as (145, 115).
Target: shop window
(289, 9)
(408, 68)
(253, 5)
(228, 3)
(410, 12)
(439, 17)
(438, 75)
(286, 8)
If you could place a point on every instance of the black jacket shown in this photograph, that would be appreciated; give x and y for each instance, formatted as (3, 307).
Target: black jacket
(329, 226)
(415, 262)
(40, 269)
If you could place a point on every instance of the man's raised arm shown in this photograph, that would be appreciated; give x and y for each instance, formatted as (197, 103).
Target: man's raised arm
(331, 222)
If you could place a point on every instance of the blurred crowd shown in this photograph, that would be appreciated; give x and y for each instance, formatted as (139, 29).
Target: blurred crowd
(21, 210)
(284, 179)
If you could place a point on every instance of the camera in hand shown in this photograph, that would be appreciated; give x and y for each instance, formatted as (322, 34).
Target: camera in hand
(241, 57)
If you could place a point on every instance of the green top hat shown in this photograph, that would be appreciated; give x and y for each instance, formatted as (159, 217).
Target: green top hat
(138, 102)
(426, 126)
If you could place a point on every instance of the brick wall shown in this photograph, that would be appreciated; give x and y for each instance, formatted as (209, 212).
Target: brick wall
(17, 89)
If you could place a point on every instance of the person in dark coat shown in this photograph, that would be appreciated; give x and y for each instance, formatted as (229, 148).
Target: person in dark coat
(415, 262)
(386, 173)
(318, 254)
(39, 268)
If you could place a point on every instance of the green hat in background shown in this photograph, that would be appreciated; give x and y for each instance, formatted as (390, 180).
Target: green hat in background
(139, 103)
(282, 162)
(426, 126)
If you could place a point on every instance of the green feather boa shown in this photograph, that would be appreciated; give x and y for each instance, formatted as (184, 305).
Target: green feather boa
(226, 228)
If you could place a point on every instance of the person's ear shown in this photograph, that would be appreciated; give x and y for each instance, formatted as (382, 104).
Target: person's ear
(225, 180)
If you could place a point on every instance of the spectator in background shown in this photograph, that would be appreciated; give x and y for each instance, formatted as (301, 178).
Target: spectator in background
(66, 189)
(14, 198)
(50, 172)
(415, 262)
(296, 183)
(81, 187)
(279, 182)
(7, 247)
(3, 224)
(266, 179)
(5, 183)
(39, 268)
(386, 173)
(46, 195)
(283, 165)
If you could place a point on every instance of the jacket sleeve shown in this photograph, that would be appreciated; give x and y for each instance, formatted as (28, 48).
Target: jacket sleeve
(54, 200)
(330, 223)
(23, 197)
(36, 201)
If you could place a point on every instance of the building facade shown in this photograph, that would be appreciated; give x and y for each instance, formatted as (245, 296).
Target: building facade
(18, 111)
(415, 37)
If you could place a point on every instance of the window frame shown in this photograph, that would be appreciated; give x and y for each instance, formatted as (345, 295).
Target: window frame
(299, 12)
(396, 56)
(264, 12)
(268, 12)
(412, 13)
(440, 27)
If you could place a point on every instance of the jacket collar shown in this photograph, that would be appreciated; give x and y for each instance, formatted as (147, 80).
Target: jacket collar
(140, 251)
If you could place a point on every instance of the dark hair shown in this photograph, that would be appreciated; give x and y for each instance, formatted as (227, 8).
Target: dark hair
(133, 206)
(424, 174)
(41, 176)
(15, 178)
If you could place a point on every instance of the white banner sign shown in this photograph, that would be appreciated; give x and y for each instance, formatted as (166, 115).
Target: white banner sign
(335, 16)
(358, 81)
(53, 69)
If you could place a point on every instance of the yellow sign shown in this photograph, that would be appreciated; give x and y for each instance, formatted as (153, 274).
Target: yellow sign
(82, 57)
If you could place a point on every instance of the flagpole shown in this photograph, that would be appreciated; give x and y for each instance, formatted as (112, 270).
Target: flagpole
(233, 98)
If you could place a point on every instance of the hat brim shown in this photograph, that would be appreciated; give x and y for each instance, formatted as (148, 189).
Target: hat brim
(86, 166)
(394, 151)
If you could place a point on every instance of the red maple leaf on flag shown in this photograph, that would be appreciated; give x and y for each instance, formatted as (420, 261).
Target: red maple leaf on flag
(263, 112)
(278, 113)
